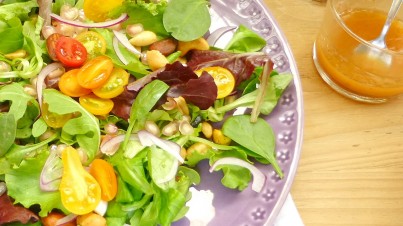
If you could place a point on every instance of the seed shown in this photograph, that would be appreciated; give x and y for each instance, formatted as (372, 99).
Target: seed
(144, 38)
(170, 129)
(207, 129)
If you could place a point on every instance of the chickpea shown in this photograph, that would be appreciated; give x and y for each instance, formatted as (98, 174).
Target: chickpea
(91, 219)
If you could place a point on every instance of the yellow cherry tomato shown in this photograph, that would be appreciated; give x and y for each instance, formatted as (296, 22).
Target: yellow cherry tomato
(52, 119)
(95, 72)
(80, 192)
(68, 84)
(223, 78)
(98, 11)
(96, 105)
(114, 86)
(103, 172)
(93, 42)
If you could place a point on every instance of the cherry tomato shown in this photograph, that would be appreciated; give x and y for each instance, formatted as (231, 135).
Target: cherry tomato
(93, 42)
(68, 84)
(103, 172)
(79, 191)
(97, 12)
(115, 84)
(52, 119)
(51, 45)
(95, 72)
(96, 105)
(223, 78)
(70, 52)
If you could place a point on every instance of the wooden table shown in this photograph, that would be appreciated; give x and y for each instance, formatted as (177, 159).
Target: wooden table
(351, 166)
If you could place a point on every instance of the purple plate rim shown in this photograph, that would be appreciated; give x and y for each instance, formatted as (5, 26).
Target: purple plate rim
(256, 15)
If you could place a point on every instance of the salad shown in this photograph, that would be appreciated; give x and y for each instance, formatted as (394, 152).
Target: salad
(107, 109)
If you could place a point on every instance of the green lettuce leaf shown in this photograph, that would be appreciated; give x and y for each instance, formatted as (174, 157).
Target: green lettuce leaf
(23, 184)
(19, 9)
(83, 128)
(193, 22)
(11, 33)
(245, 40)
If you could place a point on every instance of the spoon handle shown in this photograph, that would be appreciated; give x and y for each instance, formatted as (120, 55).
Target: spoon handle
(391, 15)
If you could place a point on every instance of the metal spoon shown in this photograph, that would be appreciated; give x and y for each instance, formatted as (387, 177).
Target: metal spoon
(380, 40)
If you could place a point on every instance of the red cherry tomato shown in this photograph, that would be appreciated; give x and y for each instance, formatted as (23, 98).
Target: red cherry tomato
(51, 45)
(70, 52)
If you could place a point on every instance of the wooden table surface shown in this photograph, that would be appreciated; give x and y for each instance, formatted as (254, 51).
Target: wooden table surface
(351, 166)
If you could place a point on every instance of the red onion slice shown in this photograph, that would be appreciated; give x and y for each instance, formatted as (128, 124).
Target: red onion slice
(258, 177)
(52, 171)
(118, 52)
(66, 219)
(40, 82)
(111, 146)
(125, 42)
(148, 139)
(105, 24)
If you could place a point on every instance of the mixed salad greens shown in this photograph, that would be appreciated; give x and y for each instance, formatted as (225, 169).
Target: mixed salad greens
(106, 107)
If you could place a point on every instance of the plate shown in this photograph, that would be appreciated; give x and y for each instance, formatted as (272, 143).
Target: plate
(248, 208)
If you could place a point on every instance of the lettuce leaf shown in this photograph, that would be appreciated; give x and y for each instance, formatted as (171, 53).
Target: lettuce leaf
(11, 33)
(23, 184)
(84, 128)
(19, 9)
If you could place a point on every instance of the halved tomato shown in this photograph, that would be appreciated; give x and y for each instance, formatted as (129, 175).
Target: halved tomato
(70, 52)
(52, 119)
(93, 42)
(95, 72)
(79, 191)
(96, 105)
(51, 45)
(68, 84)
(223, 78)
(115, 84)
(97, 11)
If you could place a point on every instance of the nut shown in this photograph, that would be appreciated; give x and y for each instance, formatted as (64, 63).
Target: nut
(155, 59)
(207, 129)
(220, 138)
(165, 46)
(198, 44)
(144, 38)
(134, 29)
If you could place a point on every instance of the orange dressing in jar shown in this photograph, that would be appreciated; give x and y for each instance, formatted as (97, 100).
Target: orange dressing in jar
(358, 72)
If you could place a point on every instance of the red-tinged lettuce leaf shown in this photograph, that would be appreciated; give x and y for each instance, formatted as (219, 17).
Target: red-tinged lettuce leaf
(241, 65)
(14, 213)
(123, 103)
(201, 92)
(23, 185)
(176, 73)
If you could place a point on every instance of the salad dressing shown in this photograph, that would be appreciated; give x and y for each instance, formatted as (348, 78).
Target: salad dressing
(337, 55)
